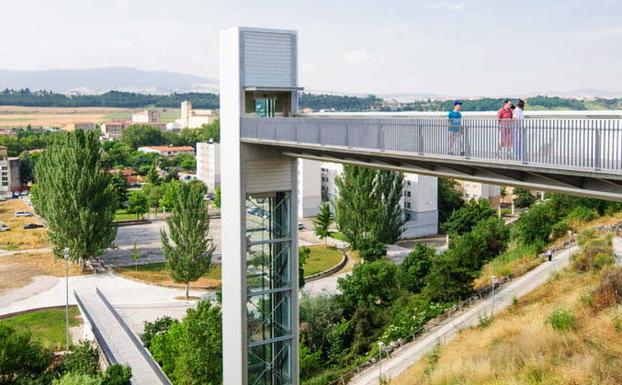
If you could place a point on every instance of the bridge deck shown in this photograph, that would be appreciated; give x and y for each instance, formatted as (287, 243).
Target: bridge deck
(575, 155)
(119, 344)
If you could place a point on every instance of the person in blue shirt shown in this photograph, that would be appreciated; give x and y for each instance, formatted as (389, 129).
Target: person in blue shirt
(455, 129)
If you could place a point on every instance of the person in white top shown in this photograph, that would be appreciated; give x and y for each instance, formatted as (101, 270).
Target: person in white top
(518, 115)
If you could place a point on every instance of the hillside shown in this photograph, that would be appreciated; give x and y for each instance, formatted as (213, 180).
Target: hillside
(100, 80)
(558, 334)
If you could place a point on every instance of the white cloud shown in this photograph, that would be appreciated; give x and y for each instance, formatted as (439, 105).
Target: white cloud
(446, 6)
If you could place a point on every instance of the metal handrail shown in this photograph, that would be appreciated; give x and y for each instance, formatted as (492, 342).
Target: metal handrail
(576, 143)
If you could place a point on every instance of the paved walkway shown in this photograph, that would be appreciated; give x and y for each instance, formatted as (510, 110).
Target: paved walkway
(139, 301)
(117, 342)
(411, 353)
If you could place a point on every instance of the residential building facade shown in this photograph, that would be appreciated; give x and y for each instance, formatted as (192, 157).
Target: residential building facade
(191, 118)
(208, 164)
(9, 176)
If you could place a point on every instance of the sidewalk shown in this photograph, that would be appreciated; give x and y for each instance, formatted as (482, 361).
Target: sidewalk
(408, 355)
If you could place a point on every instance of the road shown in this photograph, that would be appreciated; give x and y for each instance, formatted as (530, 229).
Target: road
(409, 354)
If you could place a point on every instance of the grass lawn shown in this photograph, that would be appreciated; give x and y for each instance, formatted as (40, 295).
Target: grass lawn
(123, 215)
(156, 273)
(46, 326)
(339, 236)
(17, 238)
(321, 258)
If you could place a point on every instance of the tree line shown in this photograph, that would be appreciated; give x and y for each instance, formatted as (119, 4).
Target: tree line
(122, 99)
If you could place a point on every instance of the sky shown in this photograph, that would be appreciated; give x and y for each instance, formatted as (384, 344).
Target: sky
(468, 48)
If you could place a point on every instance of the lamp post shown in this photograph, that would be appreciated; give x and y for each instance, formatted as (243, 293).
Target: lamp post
(66, 257)
(494, 280)
(380, 346)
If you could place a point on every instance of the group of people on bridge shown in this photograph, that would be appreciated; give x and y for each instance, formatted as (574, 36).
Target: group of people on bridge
(508, 117)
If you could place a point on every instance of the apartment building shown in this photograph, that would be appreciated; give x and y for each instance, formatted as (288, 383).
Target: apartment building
(208, 164)
(114, 129)
(9, 174)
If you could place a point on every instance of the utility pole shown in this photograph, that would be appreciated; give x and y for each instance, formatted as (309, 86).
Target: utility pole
(66, 257)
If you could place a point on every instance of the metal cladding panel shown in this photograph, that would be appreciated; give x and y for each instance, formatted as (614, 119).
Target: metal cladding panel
(268, 175)
(268, 59)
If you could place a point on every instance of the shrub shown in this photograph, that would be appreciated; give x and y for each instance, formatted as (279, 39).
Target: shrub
(560, 229)
(160, 325)
(371, 250)
(595, 254)
(77, 379)
(609, 291)
(117, 375)
(82, 359)
(409, 315)
(464, 220)
(582, 214)
(416, 266)
(562, 320)
(523, 197)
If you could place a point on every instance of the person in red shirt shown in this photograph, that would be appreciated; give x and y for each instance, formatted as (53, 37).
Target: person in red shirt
(504, 117)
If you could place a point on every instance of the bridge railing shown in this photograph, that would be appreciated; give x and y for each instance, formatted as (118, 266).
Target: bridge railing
(579, 143)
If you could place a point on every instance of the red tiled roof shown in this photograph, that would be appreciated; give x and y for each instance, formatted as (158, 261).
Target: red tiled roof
(170, 148)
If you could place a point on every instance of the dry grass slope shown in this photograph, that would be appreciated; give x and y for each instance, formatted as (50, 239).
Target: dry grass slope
(520, 347)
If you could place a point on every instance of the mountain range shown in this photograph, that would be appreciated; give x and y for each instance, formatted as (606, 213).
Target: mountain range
(100, 80)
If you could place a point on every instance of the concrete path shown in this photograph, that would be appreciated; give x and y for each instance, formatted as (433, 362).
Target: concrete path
(408, 355)
(141, 302)
(117, 342)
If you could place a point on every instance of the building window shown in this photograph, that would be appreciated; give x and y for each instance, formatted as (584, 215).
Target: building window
(408, 194)
(407, 205)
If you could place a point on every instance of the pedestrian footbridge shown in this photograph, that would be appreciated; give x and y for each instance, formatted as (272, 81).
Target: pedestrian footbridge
(581, 156)
(118, 344)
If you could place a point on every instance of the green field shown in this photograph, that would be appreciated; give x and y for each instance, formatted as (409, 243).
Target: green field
(46, 326)
(122, 215)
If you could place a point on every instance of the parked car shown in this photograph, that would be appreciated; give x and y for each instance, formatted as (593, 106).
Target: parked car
(29, 226)
(23, 214)
(4, 227)
(301, 226)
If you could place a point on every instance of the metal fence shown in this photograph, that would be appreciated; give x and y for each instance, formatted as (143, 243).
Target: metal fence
(581, 143)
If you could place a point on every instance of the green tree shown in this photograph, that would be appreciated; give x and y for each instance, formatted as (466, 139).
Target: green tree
(371, 250)
(154, 195)
(303, 255)
(368, 205)
(523, 197)
(142, 135)
(117, 375)
(374, 283)
(76, 196)
(27, 166)
(171, 190)
(463, 220)
(120, 186)
(416, 266)
(82, 358)
(78, 379)
(152, 175)
(535, 225)
(189, 256)
(322, 221)
(190, 351)
(138, 203)
(449, 199)
(210, 131)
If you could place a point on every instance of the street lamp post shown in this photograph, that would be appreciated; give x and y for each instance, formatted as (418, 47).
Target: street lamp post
(380, 346)
(494, 280)
(66, 257)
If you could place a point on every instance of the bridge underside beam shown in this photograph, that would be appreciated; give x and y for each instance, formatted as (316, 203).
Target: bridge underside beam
(596, 186)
